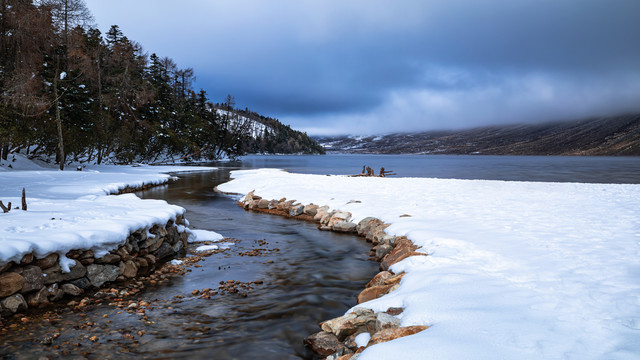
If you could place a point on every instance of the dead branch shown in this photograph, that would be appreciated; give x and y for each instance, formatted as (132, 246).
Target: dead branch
(5, 209)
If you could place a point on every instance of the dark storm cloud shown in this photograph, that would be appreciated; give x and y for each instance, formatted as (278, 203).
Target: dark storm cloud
(380, 66)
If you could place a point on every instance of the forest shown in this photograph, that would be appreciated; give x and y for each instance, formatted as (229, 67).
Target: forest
(72, 94)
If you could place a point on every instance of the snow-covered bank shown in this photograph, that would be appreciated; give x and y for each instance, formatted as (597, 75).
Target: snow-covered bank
(515, 269)
(70, 210)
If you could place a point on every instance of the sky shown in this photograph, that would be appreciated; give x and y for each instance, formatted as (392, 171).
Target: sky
(360, 67)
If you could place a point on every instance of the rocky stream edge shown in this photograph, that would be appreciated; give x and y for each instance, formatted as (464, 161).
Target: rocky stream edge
(337, 339)
(37, 282)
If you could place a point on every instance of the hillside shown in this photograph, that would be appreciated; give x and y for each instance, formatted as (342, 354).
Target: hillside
(269, 135)
(619, 135)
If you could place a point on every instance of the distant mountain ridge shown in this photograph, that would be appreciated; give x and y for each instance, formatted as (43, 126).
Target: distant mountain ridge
(616, 135)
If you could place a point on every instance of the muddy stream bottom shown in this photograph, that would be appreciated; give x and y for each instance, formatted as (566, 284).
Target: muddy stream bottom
(258, 299)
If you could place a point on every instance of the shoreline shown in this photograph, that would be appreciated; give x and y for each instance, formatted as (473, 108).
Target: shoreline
(344, 337)
(34, 282)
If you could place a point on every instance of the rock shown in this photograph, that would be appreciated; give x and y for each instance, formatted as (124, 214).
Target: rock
(54, 292)
(339, 216)
(386, 321)
(253, 204)
(141, 262)
(395, 279)
(179, 248)
(325, 219)
(358, 320)
(382, 250)
(334, 325)
(373, 292)
(27, 259)
(151, 244)
(263, 204)
(151, 259)
(128, 269)
(109, 259)
(87, 261)
(10, 283)
(388, 240)
(366, 224)
(311, 210)
(54, 274)
(379, 279)
(82, 283)
(164, 251)
(71, 289)
(124, 254)
(5, 267)
(99, 274)
(296, 210)
(321, 212)
(403, 249)
(394, 333)
(38, 298)
(248, 197)
(87, 254)
(344, 226)
(273, 204)
(324, 343)
(13, 304)
(378, 234)
(33, 279)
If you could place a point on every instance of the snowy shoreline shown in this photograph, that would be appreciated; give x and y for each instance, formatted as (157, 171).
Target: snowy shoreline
(515, 269)
(74, 233)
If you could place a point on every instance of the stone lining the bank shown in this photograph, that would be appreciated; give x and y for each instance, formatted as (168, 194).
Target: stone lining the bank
(35, 282)
(337, 340)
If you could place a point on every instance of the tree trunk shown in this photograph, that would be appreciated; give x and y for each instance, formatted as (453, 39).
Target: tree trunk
(61, 158)
(4, 151)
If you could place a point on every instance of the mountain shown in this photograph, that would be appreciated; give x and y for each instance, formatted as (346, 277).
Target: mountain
(618, 135)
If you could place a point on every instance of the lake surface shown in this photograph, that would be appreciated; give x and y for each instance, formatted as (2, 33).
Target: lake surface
(588, 169)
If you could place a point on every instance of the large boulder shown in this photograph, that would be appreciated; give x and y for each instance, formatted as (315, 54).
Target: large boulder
(10, 283)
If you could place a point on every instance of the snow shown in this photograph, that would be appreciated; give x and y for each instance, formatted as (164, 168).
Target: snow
(207, 248)
(516, 270)
(362, 339)
(204, 235)
(71, 210)
(176, 262)
(63, 75)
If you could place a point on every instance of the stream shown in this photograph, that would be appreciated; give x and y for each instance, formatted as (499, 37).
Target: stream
(302, 276)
